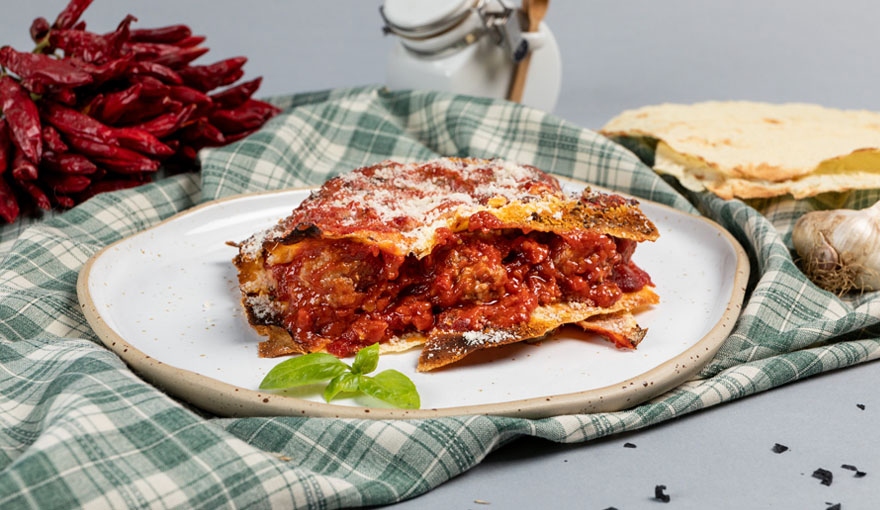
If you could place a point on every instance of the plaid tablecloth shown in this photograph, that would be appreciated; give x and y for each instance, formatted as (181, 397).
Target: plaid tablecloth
(78, 428)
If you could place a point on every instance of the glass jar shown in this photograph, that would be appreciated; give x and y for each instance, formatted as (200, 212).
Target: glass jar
(469, 47)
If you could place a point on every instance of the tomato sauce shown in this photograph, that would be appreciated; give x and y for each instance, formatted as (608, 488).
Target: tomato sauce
(344, 295)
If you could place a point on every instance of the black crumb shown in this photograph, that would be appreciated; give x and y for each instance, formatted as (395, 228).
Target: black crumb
(823, 475)
(629, 445)
(850, 467)
(861, 406)
(660, 494)
(835, 506)
(779, 448)
(611, 508)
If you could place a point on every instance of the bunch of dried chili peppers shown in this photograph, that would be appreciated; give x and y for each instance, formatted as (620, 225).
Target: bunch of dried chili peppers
(86, 113)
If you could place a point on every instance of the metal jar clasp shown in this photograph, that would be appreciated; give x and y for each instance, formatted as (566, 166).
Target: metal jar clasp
(497, 20)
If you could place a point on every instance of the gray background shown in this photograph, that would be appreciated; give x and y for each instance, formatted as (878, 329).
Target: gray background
(616, 55)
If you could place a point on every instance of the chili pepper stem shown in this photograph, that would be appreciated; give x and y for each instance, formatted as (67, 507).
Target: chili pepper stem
(42, 45)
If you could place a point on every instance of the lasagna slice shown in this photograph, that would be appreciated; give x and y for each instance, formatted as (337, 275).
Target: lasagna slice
(457, 255)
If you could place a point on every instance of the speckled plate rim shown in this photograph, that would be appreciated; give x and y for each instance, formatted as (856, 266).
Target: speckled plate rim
(225, 399)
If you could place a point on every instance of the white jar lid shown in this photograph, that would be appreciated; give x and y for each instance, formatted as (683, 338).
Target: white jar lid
(424, 18)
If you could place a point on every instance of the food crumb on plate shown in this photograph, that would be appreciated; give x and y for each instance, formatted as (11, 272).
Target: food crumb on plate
(779, 448)
(850, 467)
(660, 494)
(824, 476)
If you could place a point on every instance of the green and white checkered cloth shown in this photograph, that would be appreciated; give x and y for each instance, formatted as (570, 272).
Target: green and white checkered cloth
(78, 428)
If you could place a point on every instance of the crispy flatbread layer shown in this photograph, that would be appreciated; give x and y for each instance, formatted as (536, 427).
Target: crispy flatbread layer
(615, 323)
(747, 149)
(456, 255)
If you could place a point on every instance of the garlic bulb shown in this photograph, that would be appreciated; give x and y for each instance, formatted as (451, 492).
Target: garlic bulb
(840, 249)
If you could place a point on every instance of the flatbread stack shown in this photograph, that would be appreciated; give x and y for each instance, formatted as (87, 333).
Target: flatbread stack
(743, 149)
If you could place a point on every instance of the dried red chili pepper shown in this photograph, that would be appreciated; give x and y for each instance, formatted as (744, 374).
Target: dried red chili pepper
(193, 40)
(147, 50)
(126, 164)
(64, 201)
(202, 133)
(188, 152)
(39, 29)
(36, 194)
(74, 123)
(102, 73)
(67, 183)
(52, 141)
(88, 46)
(118, 37)
(113, 157)
(148, 109)
(5, 146)
(166, 34)
(163, 73)
(34, 87)
(208, 77)
(23, 169)
(9, 208)
(252, 114)
(188, 95)
(22, 117)
(164, 125)
(142, 141)
(237, 94)
(93, 107)
(68, 163)
(168, 55)
(181, 57)
(43, 69)
(113, 105)
(231, 78)
(64, 96)
(71, 13)
(151, 87)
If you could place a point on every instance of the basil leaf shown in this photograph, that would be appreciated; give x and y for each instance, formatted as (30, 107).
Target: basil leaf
(392, 387)
(366, 360)
(301, 370)
(343, 383)
(389, 386)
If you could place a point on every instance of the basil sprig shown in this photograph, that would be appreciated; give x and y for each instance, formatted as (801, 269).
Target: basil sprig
(389, 385)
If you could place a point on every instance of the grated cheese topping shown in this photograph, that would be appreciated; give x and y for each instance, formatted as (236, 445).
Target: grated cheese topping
(401, 206)
(427, 190)
(487, 337)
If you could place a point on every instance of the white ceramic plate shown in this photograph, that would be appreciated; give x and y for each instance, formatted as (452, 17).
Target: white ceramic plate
(166, 300)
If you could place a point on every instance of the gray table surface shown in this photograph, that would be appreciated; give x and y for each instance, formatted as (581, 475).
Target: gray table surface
(616, 55)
